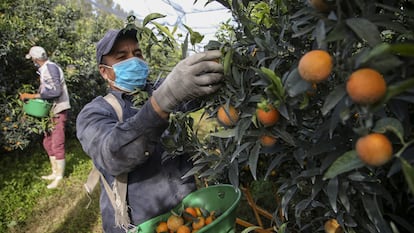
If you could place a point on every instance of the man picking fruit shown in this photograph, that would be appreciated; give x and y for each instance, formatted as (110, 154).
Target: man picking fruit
(127, 142)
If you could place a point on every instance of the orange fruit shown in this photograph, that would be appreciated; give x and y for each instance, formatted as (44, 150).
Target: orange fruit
(199, 223)
(332, 226)
(366, 86)
(268, 115)
(210, 218)
(189, 212)
(183, 229)
(198, 211)
(374, 149)
(315, 66)
(161, 227)
(227, 117)
(268, 140)
(174, 222)
(319, 5)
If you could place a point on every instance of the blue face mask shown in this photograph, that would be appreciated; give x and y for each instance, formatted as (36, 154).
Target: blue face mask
(130, 74)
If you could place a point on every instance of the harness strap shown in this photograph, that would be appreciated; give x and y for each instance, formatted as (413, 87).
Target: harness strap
(116, 193)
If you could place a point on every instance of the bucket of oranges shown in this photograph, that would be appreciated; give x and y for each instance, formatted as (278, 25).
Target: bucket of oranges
(207, 210)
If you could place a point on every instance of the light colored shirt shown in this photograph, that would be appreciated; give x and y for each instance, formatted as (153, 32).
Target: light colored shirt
(53, 86)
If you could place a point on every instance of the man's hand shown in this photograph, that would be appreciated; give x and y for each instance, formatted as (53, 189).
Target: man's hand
(195, 76)
(26, 96)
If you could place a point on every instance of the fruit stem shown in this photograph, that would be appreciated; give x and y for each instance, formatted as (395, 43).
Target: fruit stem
(264, 105)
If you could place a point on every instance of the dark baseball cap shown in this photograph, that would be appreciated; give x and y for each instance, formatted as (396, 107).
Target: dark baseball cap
(104, 46)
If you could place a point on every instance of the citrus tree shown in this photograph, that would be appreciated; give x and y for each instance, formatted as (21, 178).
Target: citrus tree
(65, 30)
(68, 31)
(319, 93)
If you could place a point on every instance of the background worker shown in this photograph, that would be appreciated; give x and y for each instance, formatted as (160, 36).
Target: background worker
(53, 89)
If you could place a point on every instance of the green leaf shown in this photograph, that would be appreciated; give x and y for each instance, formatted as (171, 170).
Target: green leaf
(286, 199)
(333, 98)
(234, 173)
(408, 171)
(239, 149)
(365, 30)
(276, 82)
(394, 90)
(164, 30)
(343, 195)
(337, 34)
(252, 228)
(403, 49)
(332, 192)
(253, 158)
(228, 133)
(295, 85)
(373, 211)
(275, 162)
(151, 17)
(301, 206)
(344, 163)
(195, 37)
(376, 51)
(285, 136)
(194, 170)
(184, 47)
(283, 228)
(390, 124)
(227, 63)
(304, 103)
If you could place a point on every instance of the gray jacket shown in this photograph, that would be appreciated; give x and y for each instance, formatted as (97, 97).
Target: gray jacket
(154, 186)
(53, 86)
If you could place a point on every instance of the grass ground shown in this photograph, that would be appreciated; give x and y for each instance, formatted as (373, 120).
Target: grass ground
(28, 206)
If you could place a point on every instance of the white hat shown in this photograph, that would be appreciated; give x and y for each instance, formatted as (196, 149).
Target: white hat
(36, 52)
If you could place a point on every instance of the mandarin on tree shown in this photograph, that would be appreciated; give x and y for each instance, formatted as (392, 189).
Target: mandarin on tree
(315, 66)
(319, 5)
(268, 140)
(374, 149)
(366, 86)
(227, 117)
(268, 115)
(332, 226)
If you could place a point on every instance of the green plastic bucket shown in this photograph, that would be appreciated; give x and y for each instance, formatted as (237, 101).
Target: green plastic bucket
(223, 198)
(37, 107)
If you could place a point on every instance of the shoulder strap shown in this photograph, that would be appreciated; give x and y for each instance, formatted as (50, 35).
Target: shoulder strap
(116, 193)
(111, 99)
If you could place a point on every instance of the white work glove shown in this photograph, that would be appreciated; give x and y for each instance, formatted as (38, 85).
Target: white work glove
(197, 75)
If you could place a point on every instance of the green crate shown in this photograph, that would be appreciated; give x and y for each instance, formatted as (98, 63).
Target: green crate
(37, 107)
(223, 198)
